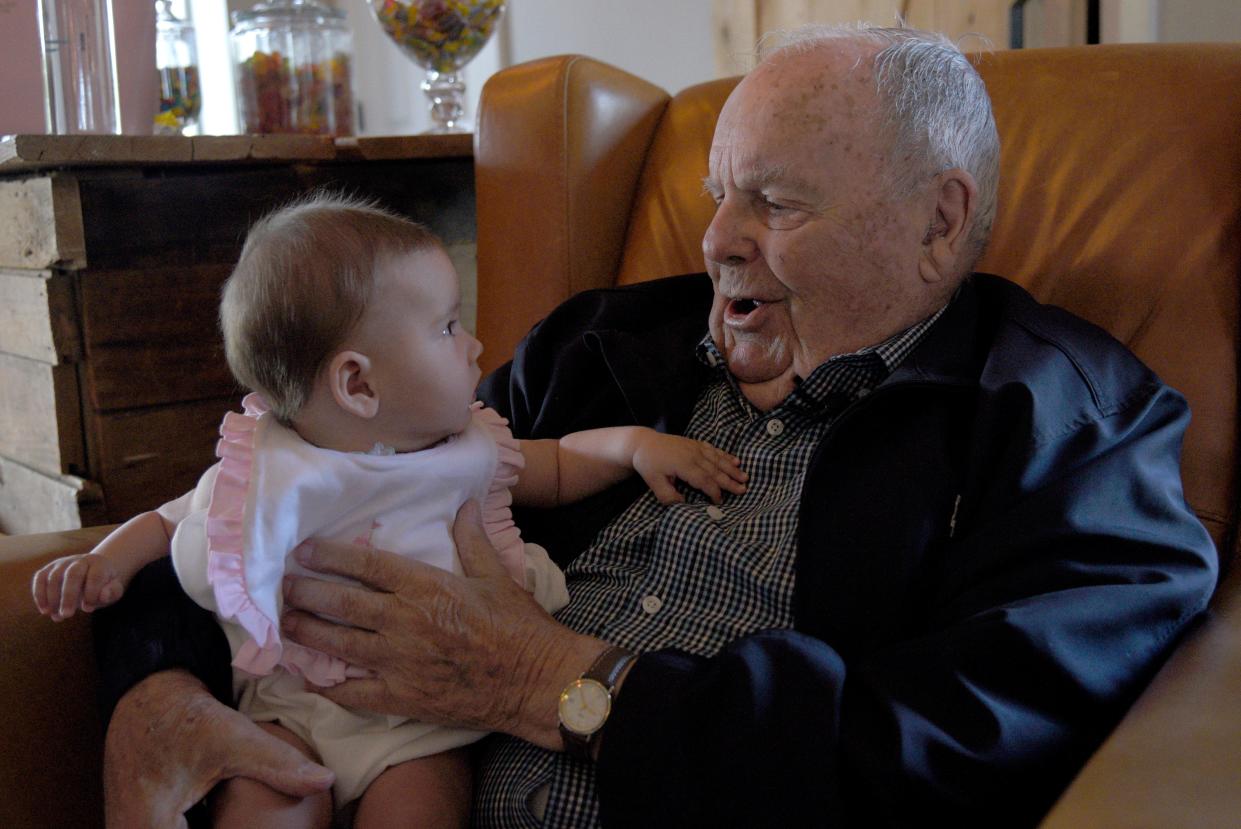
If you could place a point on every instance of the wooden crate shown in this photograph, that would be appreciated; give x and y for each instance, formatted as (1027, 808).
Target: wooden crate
(110, 273)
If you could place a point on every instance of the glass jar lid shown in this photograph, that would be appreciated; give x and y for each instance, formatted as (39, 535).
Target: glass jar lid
(289, 11)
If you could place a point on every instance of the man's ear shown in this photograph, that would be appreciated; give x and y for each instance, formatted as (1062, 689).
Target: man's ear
(946, 242)
(348, 378)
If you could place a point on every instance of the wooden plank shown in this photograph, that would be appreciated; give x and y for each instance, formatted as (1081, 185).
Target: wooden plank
(148, 374)
(32, 502)
(151, 336)
(179, 215)
(164, 305)
(41, 223)
(40, 415)
(20, 153)
(262, 148)
(735, 24)
(977, 25)
(28, 153)
(439, 192)
(38, 319)
(151, 456)
(400, 147)
(740, 23)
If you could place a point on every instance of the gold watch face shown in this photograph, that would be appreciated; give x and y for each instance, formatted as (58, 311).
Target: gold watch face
(584, 706)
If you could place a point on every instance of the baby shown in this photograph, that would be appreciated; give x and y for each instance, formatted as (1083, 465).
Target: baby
(343, 320)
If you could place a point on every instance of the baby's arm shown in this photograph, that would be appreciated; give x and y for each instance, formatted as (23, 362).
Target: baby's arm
(97, 579)
(583, 463)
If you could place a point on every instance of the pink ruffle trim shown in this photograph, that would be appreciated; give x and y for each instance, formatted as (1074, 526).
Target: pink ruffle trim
(225, 543)
(226, 548)
(497, 506)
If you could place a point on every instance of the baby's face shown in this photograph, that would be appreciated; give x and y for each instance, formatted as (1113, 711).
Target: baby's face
(424, 365)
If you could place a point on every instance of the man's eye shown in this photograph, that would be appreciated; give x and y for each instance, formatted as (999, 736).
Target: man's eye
(773, 207)
(450, 330)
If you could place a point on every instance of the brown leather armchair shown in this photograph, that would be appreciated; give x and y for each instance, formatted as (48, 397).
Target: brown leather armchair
(1120, 200)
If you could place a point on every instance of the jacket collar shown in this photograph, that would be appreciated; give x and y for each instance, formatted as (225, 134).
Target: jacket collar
(948, 353)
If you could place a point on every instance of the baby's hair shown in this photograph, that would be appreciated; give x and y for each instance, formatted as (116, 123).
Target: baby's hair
(302, 283)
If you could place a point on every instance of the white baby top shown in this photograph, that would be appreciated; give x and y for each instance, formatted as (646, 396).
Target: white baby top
(272, 490)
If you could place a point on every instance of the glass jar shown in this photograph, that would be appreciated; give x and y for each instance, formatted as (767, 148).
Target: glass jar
(293, 68)
(176, 64)
(79, 66)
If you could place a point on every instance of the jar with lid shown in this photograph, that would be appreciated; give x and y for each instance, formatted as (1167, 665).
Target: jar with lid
(293, 68)
(176, 64)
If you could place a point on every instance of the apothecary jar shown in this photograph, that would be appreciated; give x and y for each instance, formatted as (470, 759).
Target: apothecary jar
(293, 62)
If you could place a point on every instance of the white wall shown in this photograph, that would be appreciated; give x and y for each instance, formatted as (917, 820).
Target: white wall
(667, 42)
(1190, 21)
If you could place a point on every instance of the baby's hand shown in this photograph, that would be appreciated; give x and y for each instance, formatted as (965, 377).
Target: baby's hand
(662, 460)
(76, 582)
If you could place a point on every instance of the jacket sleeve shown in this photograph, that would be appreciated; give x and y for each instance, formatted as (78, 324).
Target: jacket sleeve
(156, 627)
(1062, 590)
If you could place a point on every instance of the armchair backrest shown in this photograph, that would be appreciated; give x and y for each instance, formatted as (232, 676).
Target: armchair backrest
(1120, 200)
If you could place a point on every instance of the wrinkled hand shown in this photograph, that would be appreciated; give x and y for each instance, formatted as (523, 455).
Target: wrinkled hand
(82, 582)
(662, 460)
(170, 742)
(474, 651)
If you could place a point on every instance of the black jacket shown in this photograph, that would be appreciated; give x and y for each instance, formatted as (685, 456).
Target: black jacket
(994, 556)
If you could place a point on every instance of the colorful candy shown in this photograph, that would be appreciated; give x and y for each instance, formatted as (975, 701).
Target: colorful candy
(180, 100)
(310, 98)
(440, 35)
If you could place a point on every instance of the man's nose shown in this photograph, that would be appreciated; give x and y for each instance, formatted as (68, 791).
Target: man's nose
(729, 239)
(476, 348)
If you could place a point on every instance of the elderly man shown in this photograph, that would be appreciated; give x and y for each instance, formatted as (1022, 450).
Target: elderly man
(963, 549)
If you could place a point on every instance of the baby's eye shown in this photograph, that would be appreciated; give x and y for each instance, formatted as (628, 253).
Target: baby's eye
(450, 330)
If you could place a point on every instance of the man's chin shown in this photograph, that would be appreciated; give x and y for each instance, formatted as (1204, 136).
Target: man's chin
(757, 369)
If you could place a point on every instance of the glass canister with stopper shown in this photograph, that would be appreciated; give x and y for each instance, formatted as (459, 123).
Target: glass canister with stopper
(293, 68)
(176, 63)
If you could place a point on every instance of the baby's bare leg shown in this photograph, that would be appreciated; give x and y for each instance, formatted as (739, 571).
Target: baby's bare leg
(245, 802)
(429, 791)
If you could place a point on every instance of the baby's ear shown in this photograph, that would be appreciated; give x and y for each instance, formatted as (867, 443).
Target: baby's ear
(348, 379)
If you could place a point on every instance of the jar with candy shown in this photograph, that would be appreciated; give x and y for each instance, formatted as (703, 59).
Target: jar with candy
(293, 68)
(176, 64)
(441, 36)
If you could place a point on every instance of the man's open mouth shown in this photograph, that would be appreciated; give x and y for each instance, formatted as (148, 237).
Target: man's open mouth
(745, 312)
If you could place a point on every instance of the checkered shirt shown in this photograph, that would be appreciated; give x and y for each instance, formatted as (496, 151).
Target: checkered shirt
(691, 576)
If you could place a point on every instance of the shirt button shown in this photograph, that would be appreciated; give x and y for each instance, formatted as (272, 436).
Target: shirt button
(775, 427)
(862, 392)
(652, 604)
(715, 513)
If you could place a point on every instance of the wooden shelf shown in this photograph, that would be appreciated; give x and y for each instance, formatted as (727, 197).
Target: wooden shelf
(20, 153)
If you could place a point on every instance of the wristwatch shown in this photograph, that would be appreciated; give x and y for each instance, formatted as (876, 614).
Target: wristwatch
(586, 702)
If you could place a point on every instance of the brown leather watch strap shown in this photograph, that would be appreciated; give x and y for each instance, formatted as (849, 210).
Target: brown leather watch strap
(606, 670)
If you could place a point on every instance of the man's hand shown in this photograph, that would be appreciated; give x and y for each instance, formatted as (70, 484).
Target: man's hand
(662, 460)
(170, 742)
(474, 651)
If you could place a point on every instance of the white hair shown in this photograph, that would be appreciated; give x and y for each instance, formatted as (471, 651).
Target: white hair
(934, 107)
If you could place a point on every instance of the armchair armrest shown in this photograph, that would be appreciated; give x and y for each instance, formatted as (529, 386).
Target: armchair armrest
(1174, 759)
(49, 720)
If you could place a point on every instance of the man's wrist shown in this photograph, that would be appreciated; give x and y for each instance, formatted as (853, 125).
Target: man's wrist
(585, 703)
(540, 720)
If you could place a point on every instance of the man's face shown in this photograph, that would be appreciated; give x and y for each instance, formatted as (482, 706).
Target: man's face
(809, 254)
